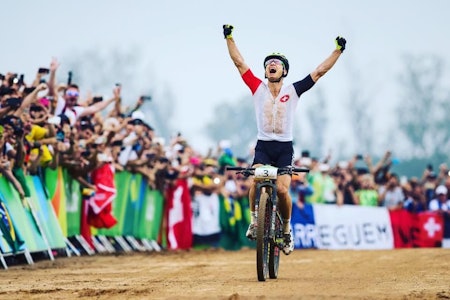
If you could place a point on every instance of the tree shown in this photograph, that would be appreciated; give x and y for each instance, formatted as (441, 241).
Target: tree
(423, 111)
(318, 119)
(98, 71)
(235, 122)
(360, 116)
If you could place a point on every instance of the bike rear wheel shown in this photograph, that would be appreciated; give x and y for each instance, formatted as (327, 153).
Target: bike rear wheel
(262, 237)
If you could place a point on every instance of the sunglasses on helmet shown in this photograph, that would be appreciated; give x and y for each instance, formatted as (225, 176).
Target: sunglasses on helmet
(273, 60)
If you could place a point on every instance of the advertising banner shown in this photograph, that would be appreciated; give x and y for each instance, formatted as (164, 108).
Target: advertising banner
(45, 213)
(342, 227)
(22, 218)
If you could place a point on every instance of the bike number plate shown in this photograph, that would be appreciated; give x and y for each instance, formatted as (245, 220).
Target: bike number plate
(266, 172)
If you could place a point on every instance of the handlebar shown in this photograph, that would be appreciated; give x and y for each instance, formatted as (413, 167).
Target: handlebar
(280, 171)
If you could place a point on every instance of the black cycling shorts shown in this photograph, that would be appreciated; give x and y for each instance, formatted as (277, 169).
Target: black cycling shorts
(277, 154)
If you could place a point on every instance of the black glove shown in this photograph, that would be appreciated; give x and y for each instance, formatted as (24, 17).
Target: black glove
(227, 31)
(340, 43)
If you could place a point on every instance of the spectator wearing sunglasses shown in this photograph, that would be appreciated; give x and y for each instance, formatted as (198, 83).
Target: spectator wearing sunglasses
(68, 104)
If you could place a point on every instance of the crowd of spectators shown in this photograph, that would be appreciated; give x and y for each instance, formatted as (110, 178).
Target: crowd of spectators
(359, 181)
(46, 124)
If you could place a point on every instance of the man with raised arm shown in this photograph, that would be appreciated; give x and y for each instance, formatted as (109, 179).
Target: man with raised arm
(275, 105)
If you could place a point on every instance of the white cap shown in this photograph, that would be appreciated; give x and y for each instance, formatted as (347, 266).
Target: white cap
(55, 120)
(103, 157)
(177, 147)
(441, 190)
(138, 115)
(223, 144)
(343, 164)
(305, 161)
(324, 167)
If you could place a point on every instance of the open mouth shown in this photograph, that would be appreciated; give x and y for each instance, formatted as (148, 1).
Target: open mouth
(272, 70)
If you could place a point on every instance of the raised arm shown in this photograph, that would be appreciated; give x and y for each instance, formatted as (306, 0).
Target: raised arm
(328, 63)
(95, 108)
(30, 98)
(235, 55)
(52, 80)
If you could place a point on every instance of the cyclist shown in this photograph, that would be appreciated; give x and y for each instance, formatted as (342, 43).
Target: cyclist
(275, 105)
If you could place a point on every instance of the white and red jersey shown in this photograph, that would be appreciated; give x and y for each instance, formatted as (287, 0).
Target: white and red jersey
(275, 116)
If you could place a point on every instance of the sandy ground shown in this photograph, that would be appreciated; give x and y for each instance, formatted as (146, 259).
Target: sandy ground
(219, 274)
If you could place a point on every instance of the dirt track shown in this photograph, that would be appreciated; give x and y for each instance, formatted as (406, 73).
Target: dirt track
(218, 274)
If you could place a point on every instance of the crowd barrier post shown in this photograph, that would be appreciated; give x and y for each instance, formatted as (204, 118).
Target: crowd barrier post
(2, 260)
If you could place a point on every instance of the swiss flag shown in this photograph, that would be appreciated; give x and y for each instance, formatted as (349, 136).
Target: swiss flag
(425, 229)
(100, 204)
(429, 229)
(179, 215)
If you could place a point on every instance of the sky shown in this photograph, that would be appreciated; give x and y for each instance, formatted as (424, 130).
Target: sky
(183, 42)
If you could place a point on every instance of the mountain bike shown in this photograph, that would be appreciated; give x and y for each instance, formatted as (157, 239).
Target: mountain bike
(269, 233)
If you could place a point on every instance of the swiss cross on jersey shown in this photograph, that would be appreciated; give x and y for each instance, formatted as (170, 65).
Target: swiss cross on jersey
(284, 98)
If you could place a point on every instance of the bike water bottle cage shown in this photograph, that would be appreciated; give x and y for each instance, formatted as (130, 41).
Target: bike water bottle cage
(266, 172)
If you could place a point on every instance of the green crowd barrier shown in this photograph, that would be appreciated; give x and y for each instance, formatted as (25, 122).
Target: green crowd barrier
(137, 208)
(45, 213)
(65, 194)
(22, 218)
(55, 185)
(139, 211)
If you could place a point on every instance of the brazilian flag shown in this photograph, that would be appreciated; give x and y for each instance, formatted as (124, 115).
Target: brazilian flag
(234, 221)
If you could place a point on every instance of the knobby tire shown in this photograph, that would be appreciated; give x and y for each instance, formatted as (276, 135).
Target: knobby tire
(262, 237)
(274, 256)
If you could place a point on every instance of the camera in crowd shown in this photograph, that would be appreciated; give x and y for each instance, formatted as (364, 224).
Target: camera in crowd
(97, 99)
(4, 90)
(28, 90)
(146, 98)
(16, 79)
(13, 102)
(43, 71)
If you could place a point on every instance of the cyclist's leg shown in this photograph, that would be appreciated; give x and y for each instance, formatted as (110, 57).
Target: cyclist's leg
(260, 159)
(285, 201)
(251, 231)
(285, 205)
(285, 158)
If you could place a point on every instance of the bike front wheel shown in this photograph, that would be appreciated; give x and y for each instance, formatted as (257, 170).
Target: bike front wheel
(274, 248)
(262, 237)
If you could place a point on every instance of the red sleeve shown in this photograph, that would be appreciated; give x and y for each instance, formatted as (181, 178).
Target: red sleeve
(251, 81)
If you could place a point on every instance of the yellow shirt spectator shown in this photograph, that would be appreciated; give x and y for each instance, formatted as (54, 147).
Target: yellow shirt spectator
(36, 134)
